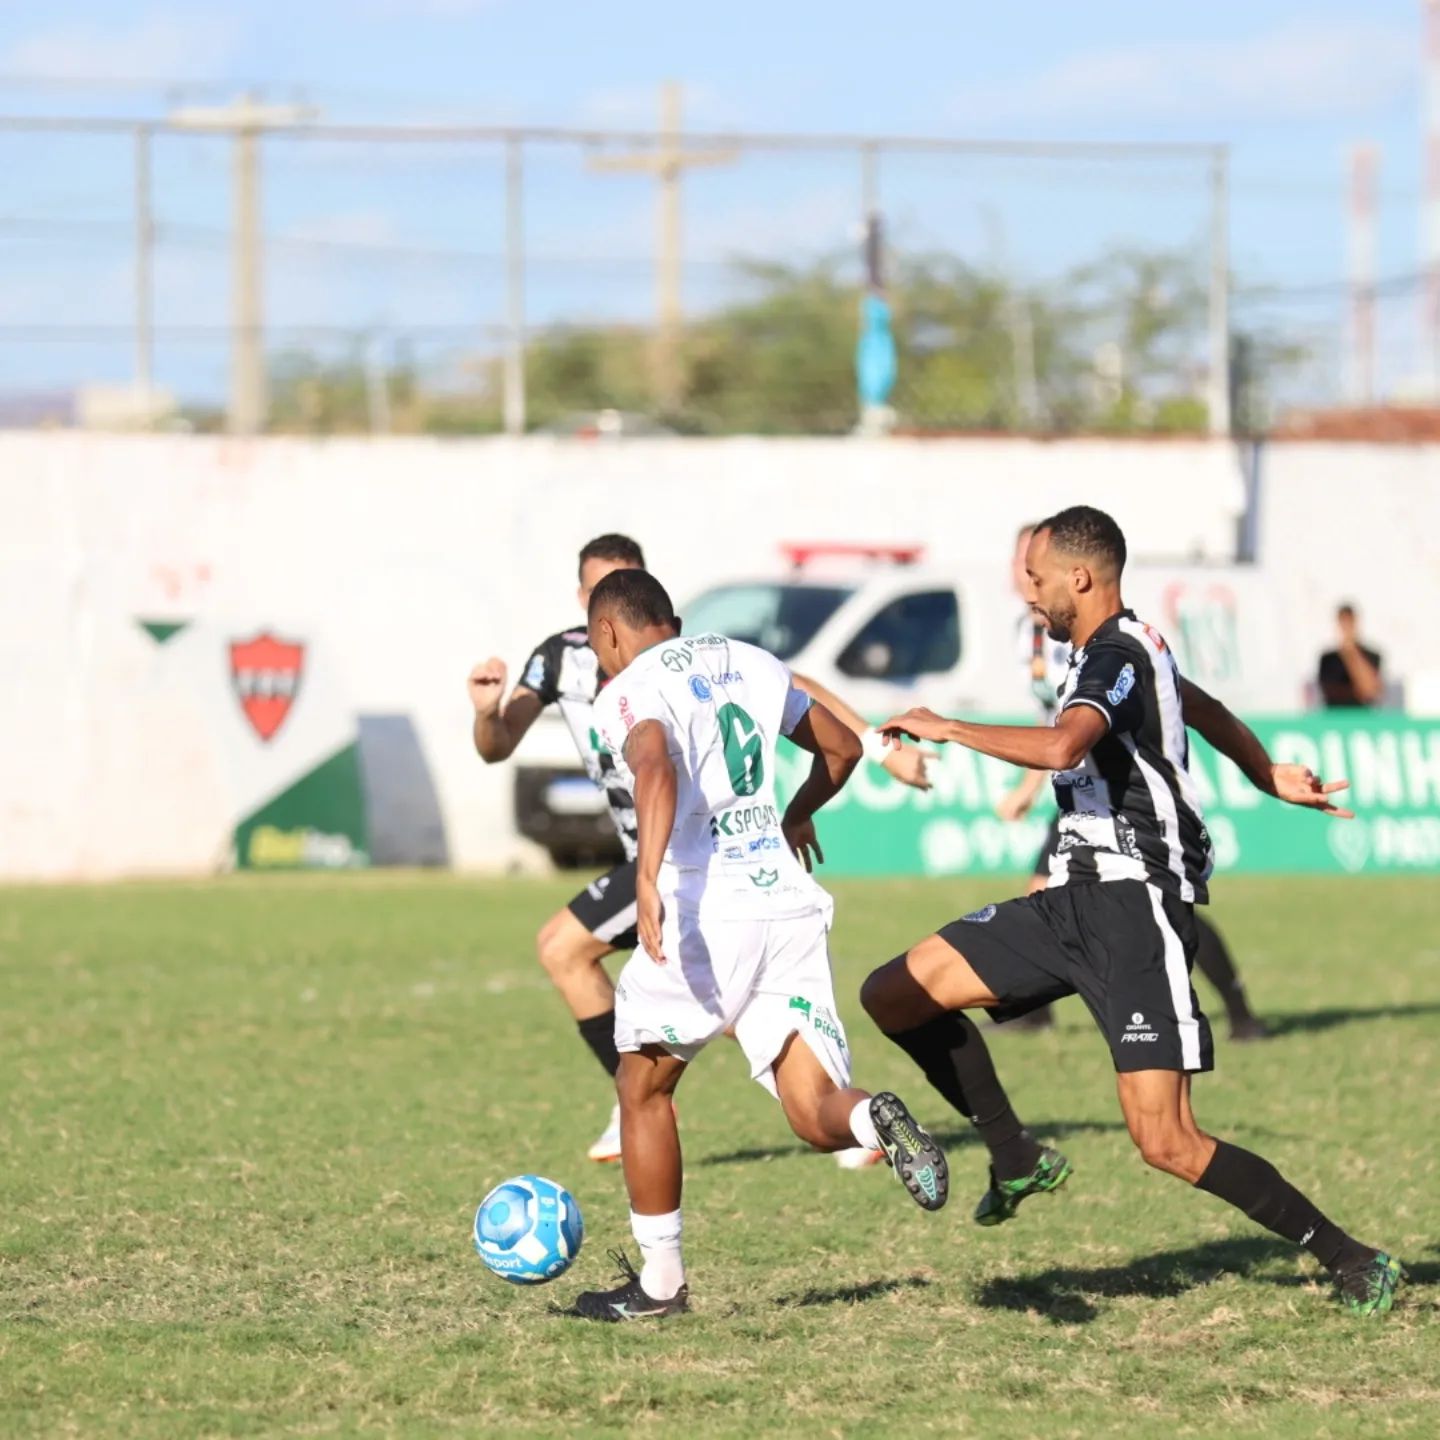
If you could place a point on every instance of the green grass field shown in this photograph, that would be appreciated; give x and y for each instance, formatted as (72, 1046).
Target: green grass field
(245, 1125)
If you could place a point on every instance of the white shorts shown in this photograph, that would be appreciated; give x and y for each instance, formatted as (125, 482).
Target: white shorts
(766, 979)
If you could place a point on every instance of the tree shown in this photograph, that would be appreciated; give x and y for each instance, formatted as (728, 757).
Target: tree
(1116, 346)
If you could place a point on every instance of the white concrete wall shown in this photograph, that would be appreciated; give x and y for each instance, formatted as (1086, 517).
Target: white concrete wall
(407, 560)
(1358, 523)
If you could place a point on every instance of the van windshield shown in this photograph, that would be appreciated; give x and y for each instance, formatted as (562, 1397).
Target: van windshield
(778, 617)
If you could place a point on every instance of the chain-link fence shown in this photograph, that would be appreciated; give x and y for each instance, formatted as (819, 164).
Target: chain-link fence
(250, 267)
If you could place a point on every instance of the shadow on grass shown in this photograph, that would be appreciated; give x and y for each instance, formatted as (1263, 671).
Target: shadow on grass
(953, 1139)
(854, 1294)
(1066, 1296)
(1309, 1022)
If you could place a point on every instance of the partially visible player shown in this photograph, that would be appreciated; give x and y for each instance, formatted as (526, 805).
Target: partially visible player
(1047, 663)
(732, 925)
(600, 920)
(1116, 924)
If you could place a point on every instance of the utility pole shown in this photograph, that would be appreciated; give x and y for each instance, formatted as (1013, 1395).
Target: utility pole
(668, 162)
(246, 119)
(1430, 209)
(1217, 399)
(514, 368)
(144, 278)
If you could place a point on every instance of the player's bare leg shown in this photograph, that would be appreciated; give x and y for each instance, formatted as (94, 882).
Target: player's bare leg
(918, 1000)
(650, 1144)
(650, 1137)
(1156, 1105)
(571, 956)
(830, 1118)
(927, 981)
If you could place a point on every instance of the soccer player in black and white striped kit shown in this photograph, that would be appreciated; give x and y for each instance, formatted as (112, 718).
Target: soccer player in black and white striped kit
(1116, 924)
(1047, 663)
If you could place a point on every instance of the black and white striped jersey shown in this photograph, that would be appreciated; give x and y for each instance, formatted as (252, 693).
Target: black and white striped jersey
(564, 671)
(1130, 811)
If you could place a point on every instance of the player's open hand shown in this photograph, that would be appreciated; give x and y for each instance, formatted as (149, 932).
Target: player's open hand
(1299, 785)
(908, 766)
(801, 838)
(649, 918)
(487, 686)
(916, 724)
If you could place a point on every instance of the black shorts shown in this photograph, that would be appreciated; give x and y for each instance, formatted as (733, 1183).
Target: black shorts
(1123, 946)
(1051, 845)
(606, 907)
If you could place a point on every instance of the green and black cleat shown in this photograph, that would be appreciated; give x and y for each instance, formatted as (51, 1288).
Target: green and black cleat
(916, 1159)
(629, 1300)
(1370, 1289)
(1000, 1202)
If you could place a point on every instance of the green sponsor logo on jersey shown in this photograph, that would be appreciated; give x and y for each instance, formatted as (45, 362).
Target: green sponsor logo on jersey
(744, 749)
(743, 821)
(764, 879)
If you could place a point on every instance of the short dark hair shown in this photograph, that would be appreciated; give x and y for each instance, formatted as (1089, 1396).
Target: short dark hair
(634, 596)
(1088, 532)
(1346, 611)
(613, 547)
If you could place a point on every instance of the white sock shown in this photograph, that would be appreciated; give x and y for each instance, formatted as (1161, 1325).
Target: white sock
(862, 1127)
(658, 1237)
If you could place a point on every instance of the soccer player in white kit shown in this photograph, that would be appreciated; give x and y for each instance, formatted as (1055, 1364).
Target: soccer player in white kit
(731, 924)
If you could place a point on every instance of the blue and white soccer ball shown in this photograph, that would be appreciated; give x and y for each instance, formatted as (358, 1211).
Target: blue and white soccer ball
(528, 1230)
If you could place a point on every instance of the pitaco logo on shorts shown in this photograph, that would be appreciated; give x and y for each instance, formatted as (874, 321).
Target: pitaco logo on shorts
(266, 672)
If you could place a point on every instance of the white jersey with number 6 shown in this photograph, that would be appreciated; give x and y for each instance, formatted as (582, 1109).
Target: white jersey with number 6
(723, 705)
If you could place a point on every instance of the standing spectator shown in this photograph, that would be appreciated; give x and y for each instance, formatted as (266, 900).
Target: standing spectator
(1350, 674)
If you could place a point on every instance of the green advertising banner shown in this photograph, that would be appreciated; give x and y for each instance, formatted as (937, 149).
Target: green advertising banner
(879, 827)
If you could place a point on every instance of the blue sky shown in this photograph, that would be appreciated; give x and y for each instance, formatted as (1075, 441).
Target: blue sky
(1287, 85)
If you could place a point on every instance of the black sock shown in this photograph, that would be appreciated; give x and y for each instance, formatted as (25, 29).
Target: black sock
(1213, 961)
(1254, 1185)
(952, 1053)
(598, 1033)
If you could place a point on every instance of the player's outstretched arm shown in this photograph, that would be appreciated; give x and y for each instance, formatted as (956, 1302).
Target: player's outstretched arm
(837, 752)
(906, 763)
(647, 754)
(1061, 746)
(1233, 738)
(499, 730)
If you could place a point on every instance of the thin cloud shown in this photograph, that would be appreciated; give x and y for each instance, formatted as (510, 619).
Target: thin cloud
(158, 43)
(1297, 71)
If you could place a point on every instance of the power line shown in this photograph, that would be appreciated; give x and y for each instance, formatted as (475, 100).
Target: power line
(594, 136)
